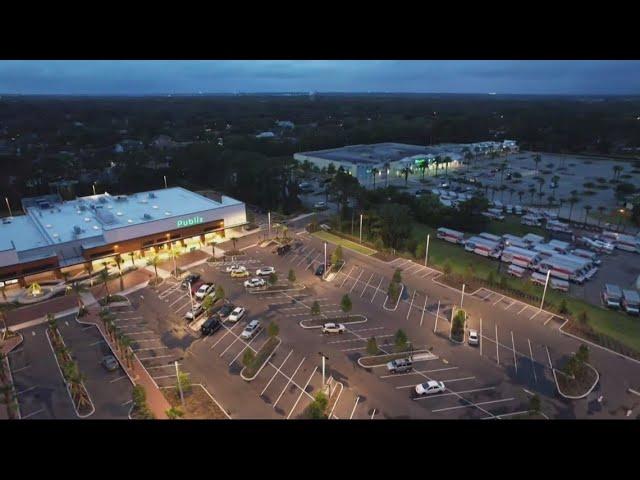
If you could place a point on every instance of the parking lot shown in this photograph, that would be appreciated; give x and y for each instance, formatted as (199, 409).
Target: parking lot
(39, 385)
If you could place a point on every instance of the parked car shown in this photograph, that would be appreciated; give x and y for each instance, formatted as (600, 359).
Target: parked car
(240, 273)
(473, 339)
(195, 312)
(190, 279)
(232, 267)
(265, 271)
(236, 314)
(255, 282)
(320, 270)
(110, 363)
(333, 328)
(400, 365)
(320, 205)
(225, 311)
(430, 387)
(204, 290)
(211, 326)
(283, 249)
(325, 227)
(250, 330)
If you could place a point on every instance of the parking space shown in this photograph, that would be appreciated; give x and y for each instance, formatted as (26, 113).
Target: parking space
(516, 308)
(39, 386)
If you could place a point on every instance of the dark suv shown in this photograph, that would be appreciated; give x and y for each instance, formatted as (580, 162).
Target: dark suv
(225, 311)
(190, 279)
(211, 326)
(282, 250)
(400, 365)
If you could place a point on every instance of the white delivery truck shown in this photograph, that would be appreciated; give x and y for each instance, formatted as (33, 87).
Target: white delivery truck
(516, 271)
(533, 239)
(449, 235)
(484, 247)
(521, 257)
(627, 243)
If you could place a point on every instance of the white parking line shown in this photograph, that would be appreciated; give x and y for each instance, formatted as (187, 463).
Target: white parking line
(304, 389)
(119, 378)
(456, 393)
(533, 363)
(548, 319)
(446, 381)
(163, 366)
(377, 289)
(289, 381)
(32, 414)
(223, 336)
(26, 390)
(155, 357)
(511, 305)
(549, 357)
(535, 314)
(20, 369)
(152, 348)
(472, 405)
(356, 282)
(497, 344)
(347, 276)
(523, 309)
(245, 347)
(513, 345)
(143, 332)
(354, 408)
(418, 372)
(424, 309)
(358, 339)
(182, 297)
(411, 305)
(366, 285)
(276, 373)
(497, 301)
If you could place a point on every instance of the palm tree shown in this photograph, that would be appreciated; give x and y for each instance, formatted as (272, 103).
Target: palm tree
(447, 160)
(537, 159)
(437, 163)
(502, 168)
(555, 179)
(132, 255)
(386, 174)
(494, 189)
(532, 191)
(154, 261)
(541, 183)
(511, 192)
(520, 195)
(374, 172)
(617, 169)
(423, 168)
(406, 171)
(601, 211)
(502, 188)
(587, 209)
(540, 196)
(572, 202)
(104, 278)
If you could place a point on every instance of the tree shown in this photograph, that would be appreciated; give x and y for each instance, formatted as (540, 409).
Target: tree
(154, 261)
(292, 275)
(207, 303)
(587, 209)
(317, 408)
(273, 329)
(601, 209)
(248, 357)
(104, 278)
(572, 202)
(535, 404)
(183, 382)
(372, 346)
(395, 224)
(219, 295)
(174, 413)
(397, 276)
(583, 318)
(537, 159)
(336, 255)
(617, 169)
(346, 305)
(583, 353)
(273, 279)
(405, 171)
(400, 340)
(331, 169)
(315, 308)
(374, 173)
(386, 173)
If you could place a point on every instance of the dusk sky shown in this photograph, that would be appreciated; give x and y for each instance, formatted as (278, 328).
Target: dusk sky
(226, 76)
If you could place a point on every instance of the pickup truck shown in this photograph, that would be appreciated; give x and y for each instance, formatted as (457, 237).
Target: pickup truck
(400, 365)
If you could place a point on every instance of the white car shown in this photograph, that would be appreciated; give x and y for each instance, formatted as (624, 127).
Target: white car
(250, 330)
(474, 339)
(255, 282)
(236, 269)
(264, 271)
(204, 290)
(195, 312)
(319, 205)
(333, 328)
(237, 314)
(232, 267)
(430, 388)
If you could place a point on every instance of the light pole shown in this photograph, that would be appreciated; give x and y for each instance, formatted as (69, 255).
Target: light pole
(179, 383)
(323, 370)
(165, 181)
(6, 199)
(360, 228)
(545, 288)
(325, 259)
(93, 185)
(190, 295)
(269, 220)
(462, 297)
(426, 254)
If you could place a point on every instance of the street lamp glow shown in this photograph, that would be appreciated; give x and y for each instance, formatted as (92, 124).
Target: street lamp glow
(6, 199)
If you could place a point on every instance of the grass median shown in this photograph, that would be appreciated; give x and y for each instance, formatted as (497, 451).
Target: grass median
(345, 243)
(249, 371)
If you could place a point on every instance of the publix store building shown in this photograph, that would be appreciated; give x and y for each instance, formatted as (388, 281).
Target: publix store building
(56, 238)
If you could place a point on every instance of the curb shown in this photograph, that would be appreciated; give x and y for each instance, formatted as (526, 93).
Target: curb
(12, 384)
(571, 397)
(64, 380)
(215, 401)
(384, 305)
(247, 379)
(412, 354)
(257, 292)
(329, 319)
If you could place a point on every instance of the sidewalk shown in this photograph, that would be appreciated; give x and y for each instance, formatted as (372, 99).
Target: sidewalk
(138, 375)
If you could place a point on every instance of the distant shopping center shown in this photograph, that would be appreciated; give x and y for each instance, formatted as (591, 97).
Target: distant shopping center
(61, 237)
(384, 160)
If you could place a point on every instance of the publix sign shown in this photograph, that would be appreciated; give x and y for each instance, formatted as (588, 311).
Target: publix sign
(189, 222)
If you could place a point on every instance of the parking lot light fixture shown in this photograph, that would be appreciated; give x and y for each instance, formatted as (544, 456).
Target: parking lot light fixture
(462, 296)
(179, 383)
(6, 199)
(323, 367)
(361, 228)
(165, 181)
(325, 259)
(93, 185)
(426, 254)
(269, 222)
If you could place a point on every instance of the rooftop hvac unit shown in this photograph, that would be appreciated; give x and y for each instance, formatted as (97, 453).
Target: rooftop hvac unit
(102, 200)
(121, 198)
(147, 216)
(83, 208)
(152, 195)
(6, 220)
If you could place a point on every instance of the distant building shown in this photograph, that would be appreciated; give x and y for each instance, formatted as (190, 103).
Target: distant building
(163, 142)
(129, 146)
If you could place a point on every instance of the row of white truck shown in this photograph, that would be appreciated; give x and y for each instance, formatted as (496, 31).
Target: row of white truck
(530, 252)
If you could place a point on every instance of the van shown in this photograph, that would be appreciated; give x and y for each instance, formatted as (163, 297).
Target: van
(516, 271)
(611, 295)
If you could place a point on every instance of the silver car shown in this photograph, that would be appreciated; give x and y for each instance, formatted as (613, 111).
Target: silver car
(250, 330)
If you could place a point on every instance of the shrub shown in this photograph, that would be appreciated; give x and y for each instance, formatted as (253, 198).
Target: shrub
(583, 317)
(273, 279)
(248, 357)
(447, 268)
(397, 276)
(183, 382)
(393, 291)
(563, 308)
(345, 304)
(534, 404)
(315, 308)
(491, 277)
(273, 329)
(502, 282)
(400, 340)
(174, 413)
(292, 276)
(372, 346)
(317, 409)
